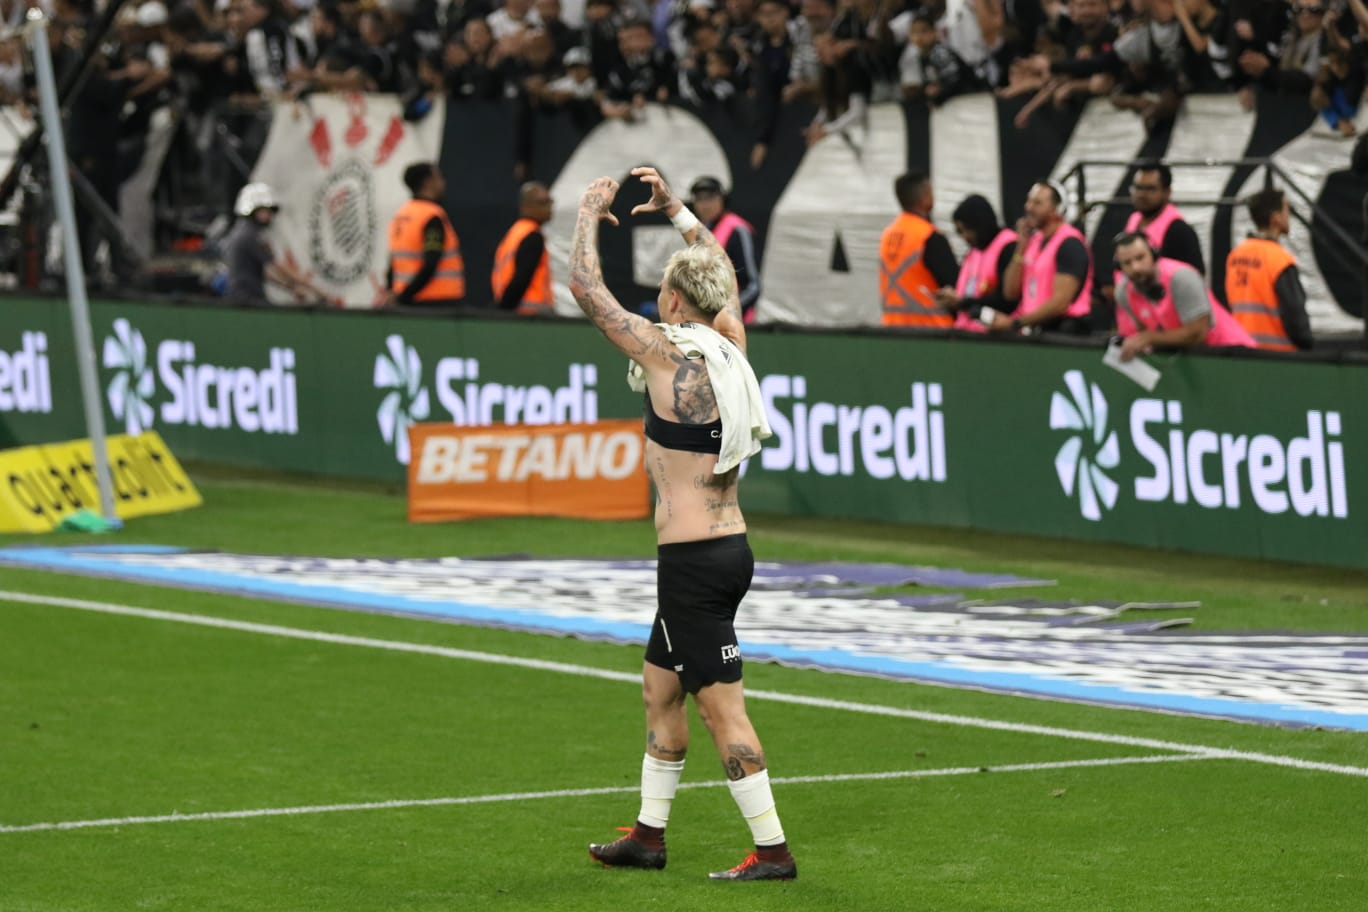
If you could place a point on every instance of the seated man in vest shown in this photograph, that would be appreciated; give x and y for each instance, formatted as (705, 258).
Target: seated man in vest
(425, 265)
(1263, 287)
(1165, 303)
(736, 236)
(521, 278)
(1051, 271)
(979, 286)
(914, 260)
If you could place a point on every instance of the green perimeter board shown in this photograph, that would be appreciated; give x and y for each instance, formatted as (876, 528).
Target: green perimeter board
(546, 371)
(61, 418)
(941, 431)
(996, 401)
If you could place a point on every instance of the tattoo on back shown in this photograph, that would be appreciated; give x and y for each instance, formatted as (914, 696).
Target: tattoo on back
(694, 400)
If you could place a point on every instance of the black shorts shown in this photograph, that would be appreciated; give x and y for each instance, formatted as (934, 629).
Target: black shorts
(699, 585)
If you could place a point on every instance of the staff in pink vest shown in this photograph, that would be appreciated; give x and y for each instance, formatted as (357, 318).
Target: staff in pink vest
(1169, 233)
(1165, 303)
(1051, 271)
(978, 289)
(734, 234)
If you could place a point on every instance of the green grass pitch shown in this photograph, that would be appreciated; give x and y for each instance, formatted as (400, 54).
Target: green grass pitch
(330, 769)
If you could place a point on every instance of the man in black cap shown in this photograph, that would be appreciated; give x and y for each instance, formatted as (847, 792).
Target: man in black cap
(736, 236)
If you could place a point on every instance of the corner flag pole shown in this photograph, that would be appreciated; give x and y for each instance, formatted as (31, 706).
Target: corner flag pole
(71, 256)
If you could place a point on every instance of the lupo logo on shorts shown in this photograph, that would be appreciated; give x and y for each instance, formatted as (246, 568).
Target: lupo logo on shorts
(731, 653)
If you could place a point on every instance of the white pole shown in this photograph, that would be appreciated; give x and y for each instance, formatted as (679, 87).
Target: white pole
(71, 256)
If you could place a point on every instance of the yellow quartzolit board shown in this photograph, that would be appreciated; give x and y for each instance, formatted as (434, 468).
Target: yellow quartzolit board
(41, 485)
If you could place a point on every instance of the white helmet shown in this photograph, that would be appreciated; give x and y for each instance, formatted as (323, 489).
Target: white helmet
(253, 197)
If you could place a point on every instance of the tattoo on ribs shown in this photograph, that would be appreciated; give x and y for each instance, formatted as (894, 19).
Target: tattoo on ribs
(712, 480)
(662, 482)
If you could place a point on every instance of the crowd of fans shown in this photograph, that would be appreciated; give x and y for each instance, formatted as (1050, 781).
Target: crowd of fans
(606, 58)
(219, 63)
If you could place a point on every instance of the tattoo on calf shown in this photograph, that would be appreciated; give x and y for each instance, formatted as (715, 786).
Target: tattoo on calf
(654, 747)
(740, 754)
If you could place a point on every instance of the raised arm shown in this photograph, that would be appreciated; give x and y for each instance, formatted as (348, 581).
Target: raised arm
(634, 335)
(728, 323)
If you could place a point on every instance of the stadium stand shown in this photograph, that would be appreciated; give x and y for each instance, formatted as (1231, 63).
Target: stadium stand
(175, 101)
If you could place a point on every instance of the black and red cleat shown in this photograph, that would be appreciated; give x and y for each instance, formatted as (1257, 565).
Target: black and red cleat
(629, 851)
(770, 866)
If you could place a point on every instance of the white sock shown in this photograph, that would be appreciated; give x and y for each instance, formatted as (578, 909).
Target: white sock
(753, 796)
(659, 781)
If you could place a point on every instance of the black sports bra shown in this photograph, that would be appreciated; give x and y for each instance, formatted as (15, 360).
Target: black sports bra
(672, 435)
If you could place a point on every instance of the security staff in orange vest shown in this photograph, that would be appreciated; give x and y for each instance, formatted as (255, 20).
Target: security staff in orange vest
(915, 260)
(521, 278)
(425, 265)
(1263, 288)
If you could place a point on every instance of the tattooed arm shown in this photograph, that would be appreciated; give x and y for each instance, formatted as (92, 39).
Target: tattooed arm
(728, 323)
(634, 335)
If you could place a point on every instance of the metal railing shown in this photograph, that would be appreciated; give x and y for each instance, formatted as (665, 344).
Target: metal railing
(1350, 253)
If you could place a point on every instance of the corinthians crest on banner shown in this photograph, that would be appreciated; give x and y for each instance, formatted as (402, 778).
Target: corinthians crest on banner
(336, 162)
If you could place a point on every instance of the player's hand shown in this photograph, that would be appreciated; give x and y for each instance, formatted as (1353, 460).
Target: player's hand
(661, 194)
(598, 199)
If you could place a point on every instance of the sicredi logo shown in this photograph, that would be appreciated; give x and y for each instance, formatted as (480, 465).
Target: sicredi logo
(1213, 469)
(830, 438)
(468, 401)
(1091, 452)
(25, 380)
(199, 395)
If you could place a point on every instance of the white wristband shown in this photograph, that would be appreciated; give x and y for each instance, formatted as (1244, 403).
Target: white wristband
(684, 220)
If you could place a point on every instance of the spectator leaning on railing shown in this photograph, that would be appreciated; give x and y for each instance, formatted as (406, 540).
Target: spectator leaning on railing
(771, 56)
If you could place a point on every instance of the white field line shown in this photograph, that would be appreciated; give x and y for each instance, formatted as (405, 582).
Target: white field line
(578, 793)
(587, 672)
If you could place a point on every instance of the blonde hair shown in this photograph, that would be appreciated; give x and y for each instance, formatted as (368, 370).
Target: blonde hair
(702, 275)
